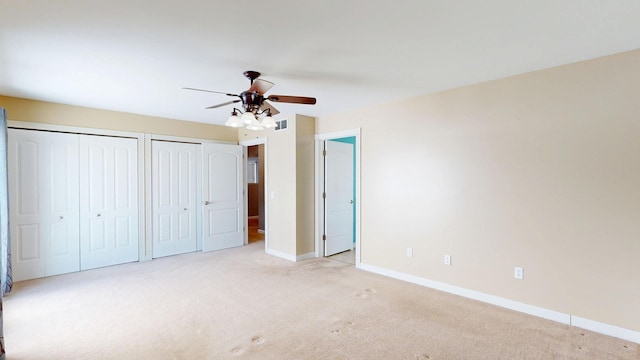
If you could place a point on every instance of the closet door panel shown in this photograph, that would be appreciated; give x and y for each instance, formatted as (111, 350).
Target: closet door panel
(174, 196)
(25, 220)
(43, 183)
(109, 206)
(223, 213)
(61, 186)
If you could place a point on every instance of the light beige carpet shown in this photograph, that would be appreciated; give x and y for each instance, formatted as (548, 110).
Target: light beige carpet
(242, 303)
(347, 257)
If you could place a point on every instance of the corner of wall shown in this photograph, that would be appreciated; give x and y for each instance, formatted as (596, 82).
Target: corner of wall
(305, 185)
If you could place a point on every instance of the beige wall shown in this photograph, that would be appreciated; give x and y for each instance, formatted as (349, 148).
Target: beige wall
(60, 114)
(305, 174)
(290, 177)
(281, 179)
(540, 170)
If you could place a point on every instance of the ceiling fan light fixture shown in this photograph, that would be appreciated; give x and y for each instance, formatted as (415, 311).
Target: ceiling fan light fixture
(256, 112)
(268, 122)
(248, 117)
(234, 120)
(255, 125)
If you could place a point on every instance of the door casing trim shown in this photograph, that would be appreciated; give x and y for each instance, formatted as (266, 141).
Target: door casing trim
(319, 185)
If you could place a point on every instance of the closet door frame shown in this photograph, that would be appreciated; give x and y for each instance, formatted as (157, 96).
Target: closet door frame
(144, 173)
(148, 204)
(143, 251)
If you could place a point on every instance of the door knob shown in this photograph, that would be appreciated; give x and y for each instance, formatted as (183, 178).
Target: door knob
(61, 217)
(99, 215)
(350, 201)
(207, 202)
(185, 209)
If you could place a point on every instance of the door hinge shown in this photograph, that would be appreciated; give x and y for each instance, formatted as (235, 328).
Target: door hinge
(324, 237)
(324, 152)
(324, 195)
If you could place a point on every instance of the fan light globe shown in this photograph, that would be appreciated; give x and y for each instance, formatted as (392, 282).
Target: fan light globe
(248, 117)
(268, 122)
(234, 121)
(255, 125)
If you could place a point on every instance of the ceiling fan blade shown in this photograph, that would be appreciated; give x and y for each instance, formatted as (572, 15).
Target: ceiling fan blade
(292, 99)
(211, 91)
(223, 104)
(272, 110)
(261, 86)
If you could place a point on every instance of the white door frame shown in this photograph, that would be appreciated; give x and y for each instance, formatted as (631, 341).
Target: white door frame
(319, 226)
(245, 144)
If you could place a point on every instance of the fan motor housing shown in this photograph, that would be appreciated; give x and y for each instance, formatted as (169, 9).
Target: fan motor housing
(251, 100)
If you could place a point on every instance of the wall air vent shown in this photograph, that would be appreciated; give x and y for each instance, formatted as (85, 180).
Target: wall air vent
(281, 125)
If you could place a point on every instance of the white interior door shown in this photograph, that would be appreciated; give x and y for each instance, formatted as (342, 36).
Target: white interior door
(109, 201)
(174, 192)
(223, 215)
(339, 197)
(43, 183)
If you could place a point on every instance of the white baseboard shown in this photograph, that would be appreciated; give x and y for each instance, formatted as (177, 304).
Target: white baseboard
(615, 331)
(282, 255)
(306, 256)
(563, 318)
(290, 257)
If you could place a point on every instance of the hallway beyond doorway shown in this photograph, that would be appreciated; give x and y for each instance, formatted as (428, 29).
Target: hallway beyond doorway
(254, 234)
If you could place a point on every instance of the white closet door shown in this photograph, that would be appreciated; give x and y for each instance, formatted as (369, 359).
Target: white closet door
(223, 214)
(174, 192)
(109, 201)
(43, 191)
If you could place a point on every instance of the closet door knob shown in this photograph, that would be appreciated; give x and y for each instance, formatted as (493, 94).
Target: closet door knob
(99, 215)
(207, 202)
(61, 217)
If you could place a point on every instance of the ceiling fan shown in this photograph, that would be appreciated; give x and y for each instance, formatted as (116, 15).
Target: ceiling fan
(255, 105)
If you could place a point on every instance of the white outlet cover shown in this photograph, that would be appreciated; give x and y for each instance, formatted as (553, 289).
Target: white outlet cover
(409, 252)
(447, 259)
(518, 273)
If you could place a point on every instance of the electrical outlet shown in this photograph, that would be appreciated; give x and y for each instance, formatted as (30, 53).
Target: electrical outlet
(518, 273)
(409, 252)
(447, 259)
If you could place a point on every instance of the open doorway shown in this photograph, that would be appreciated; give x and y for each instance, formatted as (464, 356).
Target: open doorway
(260, 172)
(338, 190)
(255, 193)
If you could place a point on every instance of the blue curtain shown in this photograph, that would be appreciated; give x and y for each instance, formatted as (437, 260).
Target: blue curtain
(6, 281)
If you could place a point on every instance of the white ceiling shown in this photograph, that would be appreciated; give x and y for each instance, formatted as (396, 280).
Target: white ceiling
(135, 56)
